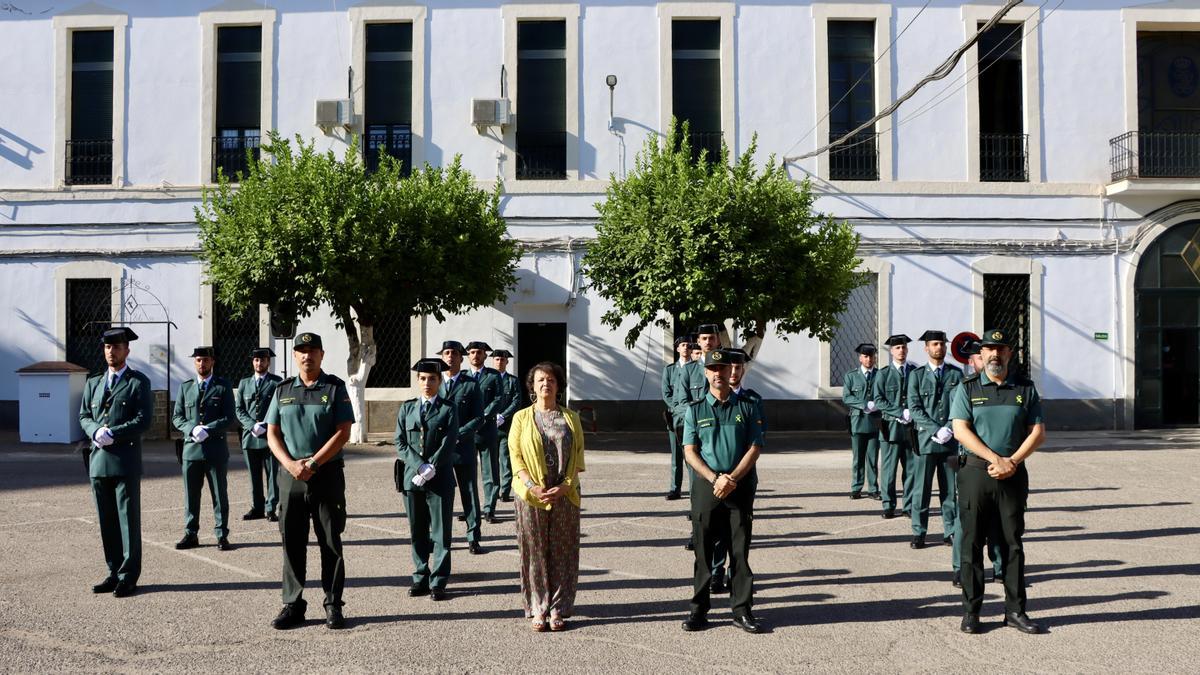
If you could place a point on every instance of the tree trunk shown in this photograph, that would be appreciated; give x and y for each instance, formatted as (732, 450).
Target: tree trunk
(755, 342)
(358, 366)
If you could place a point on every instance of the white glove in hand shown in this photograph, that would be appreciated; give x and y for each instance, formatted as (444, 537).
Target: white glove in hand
(426, 471)
(943, 435)
(103, 437)
(499, 419)
(259, 429)
(871, 406)
(418, 481)
(199, 433)
(906, 417)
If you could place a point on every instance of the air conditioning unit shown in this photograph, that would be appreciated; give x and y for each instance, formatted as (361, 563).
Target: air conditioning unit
(335, 113)
(489, 112)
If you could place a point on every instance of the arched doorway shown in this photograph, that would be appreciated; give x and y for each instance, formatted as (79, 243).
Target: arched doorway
(1167, 356)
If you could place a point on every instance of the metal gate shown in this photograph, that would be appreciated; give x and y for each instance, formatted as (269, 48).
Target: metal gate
(89, 313)
(858, 324)
(392, 352)
(1006, 306)
(234, 335)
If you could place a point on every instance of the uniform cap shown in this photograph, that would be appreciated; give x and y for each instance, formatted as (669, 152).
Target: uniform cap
(118, 335)
(866, 349)
(970, 347)
(430, 366)
(204, 351)
(718, 357)
(453, 344)
(307, 340)
(264, 352)
(996, 337)
(738, 355)
(502, 352)
(708, 329)
(477, 344)
(931, 335)
(899, 339)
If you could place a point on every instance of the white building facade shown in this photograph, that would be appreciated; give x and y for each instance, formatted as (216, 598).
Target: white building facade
(1050, 183)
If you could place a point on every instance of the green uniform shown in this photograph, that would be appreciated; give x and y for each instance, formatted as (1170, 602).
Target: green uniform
(463, 392)
(1000, 414)
(510, 389)
(930, 391)
(857, 389)
(690, 385)
(721, 546)
(208, 404)
(487, 438)
(723, 434)
(670, 377)
(115, 471)
(308, 417)
(891, 396)
(427, 433)
(251, 399)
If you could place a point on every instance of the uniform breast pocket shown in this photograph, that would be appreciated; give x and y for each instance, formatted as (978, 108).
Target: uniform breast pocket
(857, 391)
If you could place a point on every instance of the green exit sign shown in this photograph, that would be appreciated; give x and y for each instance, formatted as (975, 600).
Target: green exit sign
(1100, 336)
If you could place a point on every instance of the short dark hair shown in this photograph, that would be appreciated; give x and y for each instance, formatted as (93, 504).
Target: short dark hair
(547, 367)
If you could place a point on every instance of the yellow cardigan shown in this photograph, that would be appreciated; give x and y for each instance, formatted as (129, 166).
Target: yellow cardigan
(526, 452)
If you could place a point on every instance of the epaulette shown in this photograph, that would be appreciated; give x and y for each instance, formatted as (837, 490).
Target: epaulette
(973, 377)
(696, 402)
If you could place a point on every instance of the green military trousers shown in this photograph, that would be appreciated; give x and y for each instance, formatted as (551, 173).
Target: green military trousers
(891, 454)
(430, 519)
(320, 500)
(194, 474)
(729, 520)
(987, 505)
(506, 472)
(119, 511)
(489, 463)
(864, 458)
(924, 469)
(468, 493)
(263, 467)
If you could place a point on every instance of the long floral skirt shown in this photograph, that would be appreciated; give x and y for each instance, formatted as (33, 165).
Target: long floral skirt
(549, 545)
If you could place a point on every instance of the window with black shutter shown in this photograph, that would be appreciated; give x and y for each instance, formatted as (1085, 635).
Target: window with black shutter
(89, 310)
(696, 82)
(239, 83)
(542, 99)
(89, 148)
(1003, 143)
(852, 100)
(388, 92)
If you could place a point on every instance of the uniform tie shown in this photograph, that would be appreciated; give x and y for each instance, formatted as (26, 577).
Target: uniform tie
(112, 381)
(424, 407)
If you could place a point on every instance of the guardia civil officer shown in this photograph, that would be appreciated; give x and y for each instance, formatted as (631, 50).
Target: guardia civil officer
(308, 423)
(510, 393)
(426, 437)
(722, 439)
(998, 418)
(251, 399)
(462, 391)
(738, 367)
(930, 390)
(487, 437)
(995, 544)
(691, 384)
(891, 397)
(859, 396)
(203, 412)
(670, 374)
(117, 408)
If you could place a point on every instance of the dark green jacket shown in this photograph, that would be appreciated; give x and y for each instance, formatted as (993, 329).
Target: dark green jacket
(891, 397)
(491, 396)
(929, 404)
(469, 409)
(428, 439)
(857, 389)
(690, 386)
(510, 389)
(127, 413)
(250, 403)
(756, 398)
(214, 411)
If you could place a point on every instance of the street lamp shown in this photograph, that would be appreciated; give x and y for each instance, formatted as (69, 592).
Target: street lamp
(611, 81)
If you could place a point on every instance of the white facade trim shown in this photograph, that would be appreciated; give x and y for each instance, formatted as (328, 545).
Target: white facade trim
(1166, 17)
(210, 21)
(64, 25)
(1031, 86)
(1013, 265)
(391, 13)
(881, 13)
(82, 269)
(826, 386)
(725, 12)
(513, 14)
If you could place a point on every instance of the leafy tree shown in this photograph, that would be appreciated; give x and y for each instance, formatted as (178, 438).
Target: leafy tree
(709, 240)
(304, 229)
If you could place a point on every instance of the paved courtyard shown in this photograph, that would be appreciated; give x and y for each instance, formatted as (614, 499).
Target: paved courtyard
(1112, 543)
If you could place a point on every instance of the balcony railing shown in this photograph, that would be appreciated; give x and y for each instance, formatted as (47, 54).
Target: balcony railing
(708, 142)
(1155, 154)
(229, 155)
(1004, 158)
(89, 163)
(856, 159)
(541, 155)
(394, 140)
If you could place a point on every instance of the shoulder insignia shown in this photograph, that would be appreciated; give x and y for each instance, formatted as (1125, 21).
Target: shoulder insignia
(973, 377)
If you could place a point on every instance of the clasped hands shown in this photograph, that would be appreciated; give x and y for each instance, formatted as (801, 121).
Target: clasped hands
(103, 437)
(548, 495)
(723, 485)
(1002, 468)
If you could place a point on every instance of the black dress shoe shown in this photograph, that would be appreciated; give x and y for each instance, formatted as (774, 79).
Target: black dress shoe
(273, 517)
(673, 495)
(717, 585)
(124, 589)
(290, 616)
(689, 545)
(989, 576)
(957, 580)
(874, 495)
(489, 517)
(905, 513)
(888, 514)
(474, 547)
(970, 624)
(188, 541)
(506, 498)
(106, 586)
(748, 623)
(462, 518)
(696, 621)
(437, 594)
(333, 618)
(253, 514)
(224, 545)
(857, 494)
(1022, 622)
(417, 590)
(948, 541)
(917, 542)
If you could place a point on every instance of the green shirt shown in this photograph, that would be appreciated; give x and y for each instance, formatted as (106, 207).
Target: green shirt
(1000, 414)
(724, 431)
(309, 416)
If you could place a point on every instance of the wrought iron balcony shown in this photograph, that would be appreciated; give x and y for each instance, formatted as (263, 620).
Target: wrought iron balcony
(232, 155)
(541, 155)
(89, 162)
(394, 140)
(1004, 158)
(856, 159)
(708, 142)
(1155, 154)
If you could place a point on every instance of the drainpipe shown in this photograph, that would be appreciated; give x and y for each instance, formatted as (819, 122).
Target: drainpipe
(1118, 342)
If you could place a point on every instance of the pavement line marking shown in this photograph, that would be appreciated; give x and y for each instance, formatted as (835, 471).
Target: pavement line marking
(382, 529)
(860, 554)
(226, 566)
(47, 522)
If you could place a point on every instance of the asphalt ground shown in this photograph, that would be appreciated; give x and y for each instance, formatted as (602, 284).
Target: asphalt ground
(1112, 539)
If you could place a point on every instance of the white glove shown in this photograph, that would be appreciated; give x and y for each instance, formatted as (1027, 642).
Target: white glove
(103, 437)
(871, 406)
(499, 419)
(943, 435)
(906, 418)
(425, 473)
(199, 433)
(258, 429)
